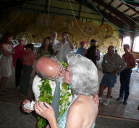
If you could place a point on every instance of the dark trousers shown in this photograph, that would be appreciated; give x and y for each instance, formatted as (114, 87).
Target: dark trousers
(18, 70)
(125, 80)
(25, 79)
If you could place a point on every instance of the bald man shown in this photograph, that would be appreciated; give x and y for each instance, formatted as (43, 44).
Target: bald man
(54, 69)
(56, 73)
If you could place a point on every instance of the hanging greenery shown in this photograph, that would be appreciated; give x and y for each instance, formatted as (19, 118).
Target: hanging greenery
(37, 26)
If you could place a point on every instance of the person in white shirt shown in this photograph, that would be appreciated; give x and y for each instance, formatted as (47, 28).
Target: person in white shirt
(55, 42)
(63, 47)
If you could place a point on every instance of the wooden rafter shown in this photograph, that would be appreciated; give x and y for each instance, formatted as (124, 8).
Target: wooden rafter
(133, 14)
(5, 5)
(137, 17)
(80, 8)
(115, 11)
(132, 8)
(119, 5)
(111, 2)
(126, 10)
(112, 19)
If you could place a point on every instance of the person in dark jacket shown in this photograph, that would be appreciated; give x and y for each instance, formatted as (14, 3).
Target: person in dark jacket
(92, 52)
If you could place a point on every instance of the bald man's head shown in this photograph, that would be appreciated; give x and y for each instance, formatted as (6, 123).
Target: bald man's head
(48, 67)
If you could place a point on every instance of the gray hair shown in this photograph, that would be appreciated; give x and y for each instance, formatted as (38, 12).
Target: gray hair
(84, 75)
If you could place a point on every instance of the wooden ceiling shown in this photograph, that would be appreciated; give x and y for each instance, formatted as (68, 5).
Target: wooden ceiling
(119, 12)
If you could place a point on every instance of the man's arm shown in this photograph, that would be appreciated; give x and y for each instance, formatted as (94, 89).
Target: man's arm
(68, 39)
(133, 61)
(103, 63)
(122, 64)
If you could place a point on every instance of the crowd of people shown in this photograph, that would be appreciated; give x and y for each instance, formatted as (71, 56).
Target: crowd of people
(81, 74)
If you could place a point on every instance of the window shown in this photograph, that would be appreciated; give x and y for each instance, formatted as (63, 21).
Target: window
(126, 40)
(136, 44)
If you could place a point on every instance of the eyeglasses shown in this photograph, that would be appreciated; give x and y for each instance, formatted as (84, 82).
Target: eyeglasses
(57, 76)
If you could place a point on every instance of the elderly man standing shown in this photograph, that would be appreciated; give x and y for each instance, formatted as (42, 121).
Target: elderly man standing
(126, 74)
(112, 64)
(55, 43)
(63, 47)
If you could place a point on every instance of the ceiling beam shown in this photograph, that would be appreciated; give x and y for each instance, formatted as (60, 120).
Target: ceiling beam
(115, 11)
(4, 5)
(112, 19)
(132, 9)
(119, 5)
(126, 10)
(133, 14)
(111, 2)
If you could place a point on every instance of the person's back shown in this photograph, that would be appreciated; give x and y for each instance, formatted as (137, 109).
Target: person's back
(28, 57)
(91, 52)
(28, 60)
(81, 112)
(18, 53)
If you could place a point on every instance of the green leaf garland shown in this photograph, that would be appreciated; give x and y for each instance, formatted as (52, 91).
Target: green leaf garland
(46, 96)
(64, 101)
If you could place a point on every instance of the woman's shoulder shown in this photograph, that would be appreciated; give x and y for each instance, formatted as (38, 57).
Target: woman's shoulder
(80, 103)
(80, 111)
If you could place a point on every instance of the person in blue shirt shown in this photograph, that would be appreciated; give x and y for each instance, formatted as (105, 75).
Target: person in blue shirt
(82, 50)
